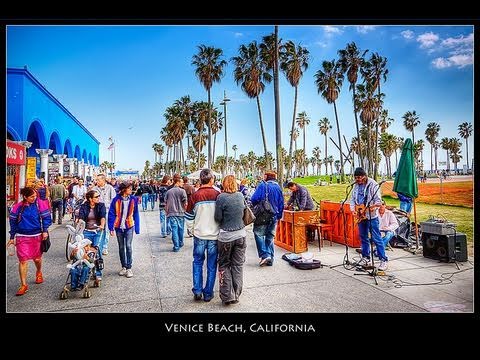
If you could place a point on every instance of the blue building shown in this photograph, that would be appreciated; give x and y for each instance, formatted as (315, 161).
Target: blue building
(52, 136)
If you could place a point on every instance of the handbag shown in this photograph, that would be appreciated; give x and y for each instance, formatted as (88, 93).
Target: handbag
(248, 216)
(45, 244)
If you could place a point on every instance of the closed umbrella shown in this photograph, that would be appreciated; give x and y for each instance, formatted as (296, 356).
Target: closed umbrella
(406, 179)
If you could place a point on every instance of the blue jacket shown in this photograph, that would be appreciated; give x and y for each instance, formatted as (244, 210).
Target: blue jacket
(28, 223)
(99, 210)
(275, 196)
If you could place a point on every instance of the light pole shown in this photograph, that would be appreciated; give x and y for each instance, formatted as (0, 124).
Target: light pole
(224, 103)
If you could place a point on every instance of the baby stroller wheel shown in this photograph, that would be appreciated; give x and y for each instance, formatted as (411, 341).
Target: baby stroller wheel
(96, 283)
(64, 294)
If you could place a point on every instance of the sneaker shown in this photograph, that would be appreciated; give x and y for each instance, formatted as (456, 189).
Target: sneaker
(383, 266)
(39, 278)
(359, 250)
(98, 278)
(22, 290)
(105, 252)
(269, 262)
(364, 261)
(264, 262)
(197, 297)
(129, 273)
(122, 272)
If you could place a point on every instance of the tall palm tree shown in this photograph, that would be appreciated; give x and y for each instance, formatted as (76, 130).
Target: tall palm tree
(252, 74)
(329, 83)
(324, 126)
(270, 49)
(455, 146)
(294, 61)
(431, 134)
(410, 121)
(302, 122)
(384, 121)
(209, 69)
(316, 152)
(465, 130)
(351, 61)
(375, 70)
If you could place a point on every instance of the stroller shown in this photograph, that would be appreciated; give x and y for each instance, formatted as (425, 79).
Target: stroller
(85, 259)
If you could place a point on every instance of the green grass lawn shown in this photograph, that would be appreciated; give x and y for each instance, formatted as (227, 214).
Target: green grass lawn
(462, 216)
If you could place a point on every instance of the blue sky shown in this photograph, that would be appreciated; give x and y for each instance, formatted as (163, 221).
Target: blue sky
(113, 78)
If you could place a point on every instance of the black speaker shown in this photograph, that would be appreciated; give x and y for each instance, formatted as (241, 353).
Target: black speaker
(446, 248)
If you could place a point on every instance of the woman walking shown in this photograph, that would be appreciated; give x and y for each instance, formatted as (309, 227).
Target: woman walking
(29, 223)
(123, 217)
(231, 240)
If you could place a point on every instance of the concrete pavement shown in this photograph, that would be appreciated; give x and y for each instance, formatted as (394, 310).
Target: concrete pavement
(162, 282)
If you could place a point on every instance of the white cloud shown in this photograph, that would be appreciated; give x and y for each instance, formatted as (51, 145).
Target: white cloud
(238, 34)
(332, 30)
(427, 40)
(363, 29)
(321, 44)
(459, 61)
(407, 34)
(462, 41)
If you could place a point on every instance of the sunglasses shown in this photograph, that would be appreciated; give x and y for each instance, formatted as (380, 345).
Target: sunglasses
(95, 197)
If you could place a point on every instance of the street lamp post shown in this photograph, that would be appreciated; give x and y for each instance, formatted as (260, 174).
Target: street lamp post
(224, 103)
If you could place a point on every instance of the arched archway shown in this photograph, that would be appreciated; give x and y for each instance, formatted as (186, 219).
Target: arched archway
(90, 158)
(95, 161)
(36, 135)
(55, 144)
(12, 134)
(84, 156)
(77, 153)
(67, 149)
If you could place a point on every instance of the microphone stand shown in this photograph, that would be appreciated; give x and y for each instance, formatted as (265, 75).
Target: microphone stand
(342, 211)
(373, 271)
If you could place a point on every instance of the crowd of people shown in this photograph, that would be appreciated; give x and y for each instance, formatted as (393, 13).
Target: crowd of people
(209, 211)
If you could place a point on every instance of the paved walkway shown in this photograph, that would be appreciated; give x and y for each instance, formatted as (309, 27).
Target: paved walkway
(162, 282)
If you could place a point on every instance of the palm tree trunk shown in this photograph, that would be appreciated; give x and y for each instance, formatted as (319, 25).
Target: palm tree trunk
(358, 131)
(436, 156)
(369, 151)
(214, 146)
(263, 132)
(466, 143)
(396, 160)
(291, 133)
(431, 156)
(209, 131)
(278, 127)
(304, 150)
(326, 155)
(182, 156)
(342, 172)
(448, 161)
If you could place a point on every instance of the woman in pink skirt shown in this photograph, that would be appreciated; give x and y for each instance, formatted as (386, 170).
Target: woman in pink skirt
(25, 224)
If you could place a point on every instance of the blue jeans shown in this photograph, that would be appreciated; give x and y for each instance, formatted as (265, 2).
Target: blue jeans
(151, 199)
(406, 206)
(124, 238)
(364, 229)
(95, 239)
(79, 276)
(199, 248)
(176, 223)
(165, 228)
(105, 236)
(386, 238)
(264, 236)
(144, 201)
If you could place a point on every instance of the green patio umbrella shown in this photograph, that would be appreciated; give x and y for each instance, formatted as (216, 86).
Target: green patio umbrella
(406, 179)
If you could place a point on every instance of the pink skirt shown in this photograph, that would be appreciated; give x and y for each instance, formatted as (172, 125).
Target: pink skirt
(28, 247)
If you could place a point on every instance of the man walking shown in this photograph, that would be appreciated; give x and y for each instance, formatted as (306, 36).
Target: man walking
(201, 223)
(107, 193)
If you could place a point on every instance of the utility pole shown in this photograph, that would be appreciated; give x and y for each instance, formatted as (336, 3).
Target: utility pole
(224, 103)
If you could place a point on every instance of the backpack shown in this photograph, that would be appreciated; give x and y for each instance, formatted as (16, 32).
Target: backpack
(263, 211)
(161, 196)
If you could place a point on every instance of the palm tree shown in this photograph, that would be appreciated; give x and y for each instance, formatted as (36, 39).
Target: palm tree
(410, 121)
(270, 49)
(445, 144)
(384, 121)
(209, 70)
(455, 146)
(251, 72)
(302, 122)
(234, 148)
(375, 70)
(350, 62)
(465, 130)
(324, 126)
(388, 145)
(329, 82)
(294, 61)
(431, 134)
(316, 152)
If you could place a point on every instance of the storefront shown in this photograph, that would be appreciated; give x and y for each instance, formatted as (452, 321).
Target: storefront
(15, 159)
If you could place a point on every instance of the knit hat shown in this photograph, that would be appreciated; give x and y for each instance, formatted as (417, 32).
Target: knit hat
(359, 172)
